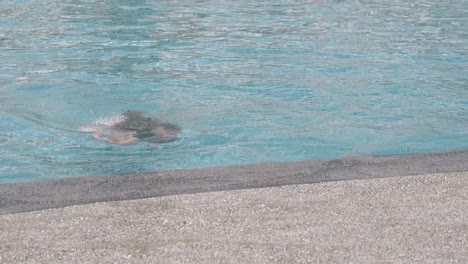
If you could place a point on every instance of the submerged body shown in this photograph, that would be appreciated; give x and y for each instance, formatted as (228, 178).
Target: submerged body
(133, 127)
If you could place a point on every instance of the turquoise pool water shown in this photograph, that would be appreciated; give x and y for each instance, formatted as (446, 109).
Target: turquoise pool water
(248, 81)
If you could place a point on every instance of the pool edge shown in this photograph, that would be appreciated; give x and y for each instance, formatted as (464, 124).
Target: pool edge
(32, 196)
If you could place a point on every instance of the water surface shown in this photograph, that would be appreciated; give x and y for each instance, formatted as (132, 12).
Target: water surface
(248, 81)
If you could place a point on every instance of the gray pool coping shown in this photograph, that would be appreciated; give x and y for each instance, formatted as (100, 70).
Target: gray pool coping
(32, 196)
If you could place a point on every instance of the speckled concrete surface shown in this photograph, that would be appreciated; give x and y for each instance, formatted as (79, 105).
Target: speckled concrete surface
(413, 219)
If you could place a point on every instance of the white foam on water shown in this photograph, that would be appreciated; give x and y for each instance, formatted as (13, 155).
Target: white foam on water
(109, 121)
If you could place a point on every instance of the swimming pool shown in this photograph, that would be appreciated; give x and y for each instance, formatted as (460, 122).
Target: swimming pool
(248, 81)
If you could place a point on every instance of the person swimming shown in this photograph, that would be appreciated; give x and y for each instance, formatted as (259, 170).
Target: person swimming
(131, 128)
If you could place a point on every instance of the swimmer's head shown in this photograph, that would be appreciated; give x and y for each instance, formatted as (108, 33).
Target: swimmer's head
(160, 133)
(135, 115)
(134, 120)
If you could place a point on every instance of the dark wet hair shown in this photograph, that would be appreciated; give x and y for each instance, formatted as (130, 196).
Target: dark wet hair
(152, 136)
(135, 120)
(145, 127)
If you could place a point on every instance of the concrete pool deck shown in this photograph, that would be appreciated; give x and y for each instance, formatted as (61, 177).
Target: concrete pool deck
(357, 209)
